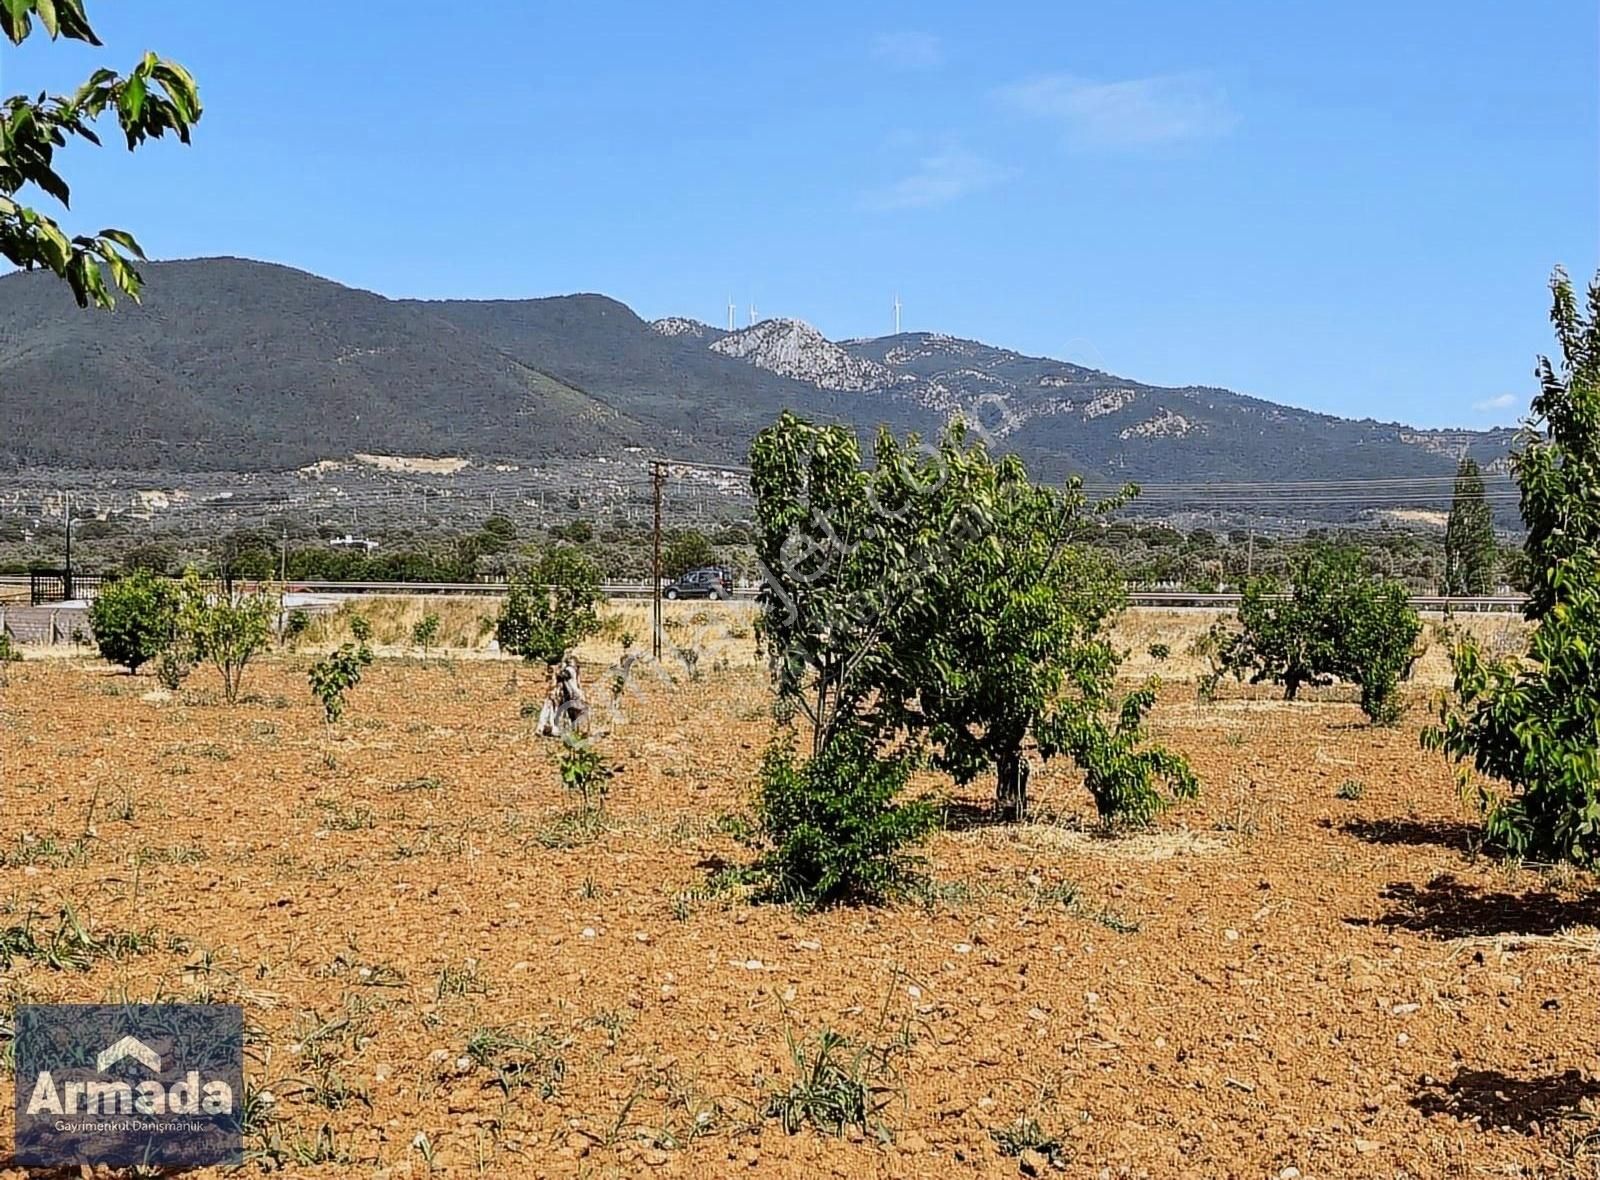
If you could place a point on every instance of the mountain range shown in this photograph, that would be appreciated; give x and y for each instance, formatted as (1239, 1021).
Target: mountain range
(236, 365)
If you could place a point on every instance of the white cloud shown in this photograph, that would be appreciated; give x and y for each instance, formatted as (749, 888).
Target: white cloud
(908, 50)
(1503, 402)
(938, 179)
(1140, 112)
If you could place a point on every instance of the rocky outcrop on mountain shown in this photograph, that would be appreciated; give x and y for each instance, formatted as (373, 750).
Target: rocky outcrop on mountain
(677, 325)
(793, 348)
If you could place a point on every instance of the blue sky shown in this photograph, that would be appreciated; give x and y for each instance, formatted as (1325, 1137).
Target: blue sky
(1350, 207)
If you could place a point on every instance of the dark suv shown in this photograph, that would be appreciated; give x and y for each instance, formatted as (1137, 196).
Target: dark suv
(706, 582)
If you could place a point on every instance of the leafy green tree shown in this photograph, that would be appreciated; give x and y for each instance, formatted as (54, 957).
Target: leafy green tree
(579, 532)
(155, 97)
(551, 607)
(837, 577)
(944, 597)
(1470, 552)
(686, 550)
(1530, 727)
(834, 825)
(1334, 622)
(498, 534)
(134, 619)
(1010, 639)
(229, 630)
(1281, 641)
(1380, 646)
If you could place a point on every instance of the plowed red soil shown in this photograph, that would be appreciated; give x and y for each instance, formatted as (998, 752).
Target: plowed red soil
(1275, 981)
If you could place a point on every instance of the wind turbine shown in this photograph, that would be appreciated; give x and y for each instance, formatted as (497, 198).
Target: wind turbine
(897, 313)
(730, 313)
(752, 315)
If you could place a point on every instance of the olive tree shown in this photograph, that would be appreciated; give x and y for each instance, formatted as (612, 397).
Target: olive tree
(157, 96)
(1530, 727)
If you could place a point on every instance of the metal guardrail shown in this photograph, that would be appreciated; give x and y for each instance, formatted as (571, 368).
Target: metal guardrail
(1424, 602)
(1146, 598)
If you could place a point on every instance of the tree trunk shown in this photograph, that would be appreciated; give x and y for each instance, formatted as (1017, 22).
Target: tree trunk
(1011, 786)
(1291, 688)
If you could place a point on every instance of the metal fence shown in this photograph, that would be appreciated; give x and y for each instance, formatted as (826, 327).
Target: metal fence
(63, 585)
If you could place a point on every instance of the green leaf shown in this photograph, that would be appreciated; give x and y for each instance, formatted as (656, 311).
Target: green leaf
(14, 19)
(74, 22)
(126, 240)
(51, 182)
(131, 102)
(180, 87)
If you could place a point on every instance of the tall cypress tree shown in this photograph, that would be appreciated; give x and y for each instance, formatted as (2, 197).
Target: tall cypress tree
(1469, 545)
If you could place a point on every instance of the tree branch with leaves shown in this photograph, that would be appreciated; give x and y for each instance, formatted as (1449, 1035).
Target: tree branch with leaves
(155, 98)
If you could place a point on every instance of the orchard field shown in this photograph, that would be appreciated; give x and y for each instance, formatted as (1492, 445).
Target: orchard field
(445, 967)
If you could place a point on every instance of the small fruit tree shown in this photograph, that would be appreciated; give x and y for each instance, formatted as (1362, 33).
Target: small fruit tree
(134, 619)
(584, 772)
(551, 607)
(686, 550)
(837, 577)
(945, 600)
(336, 674)
(1009, 641)
(8, 656)
(1530, 727)
(228, 630)
(425, 632)
(1335, 621)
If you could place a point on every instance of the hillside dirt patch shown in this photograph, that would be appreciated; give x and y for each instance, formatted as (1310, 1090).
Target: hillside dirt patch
(441, 962)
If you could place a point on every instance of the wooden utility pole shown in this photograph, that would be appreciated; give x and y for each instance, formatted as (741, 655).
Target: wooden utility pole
(67, 589)
(656, 477)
